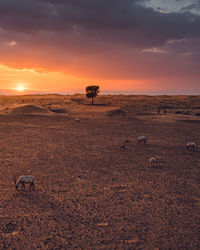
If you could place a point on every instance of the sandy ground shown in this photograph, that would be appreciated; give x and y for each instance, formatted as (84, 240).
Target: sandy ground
(90, 193)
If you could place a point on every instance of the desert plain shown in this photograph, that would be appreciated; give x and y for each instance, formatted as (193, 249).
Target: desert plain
(91, 193)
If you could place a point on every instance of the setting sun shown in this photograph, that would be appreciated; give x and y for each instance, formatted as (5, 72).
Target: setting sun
(20, 88)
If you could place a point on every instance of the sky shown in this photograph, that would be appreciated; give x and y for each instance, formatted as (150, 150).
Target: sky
(124, 46)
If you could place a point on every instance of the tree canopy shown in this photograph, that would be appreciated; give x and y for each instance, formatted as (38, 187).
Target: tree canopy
(92, 91)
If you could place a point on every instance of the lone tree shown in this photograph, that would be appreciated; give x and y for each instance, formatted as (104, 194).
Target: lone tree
(92, 91)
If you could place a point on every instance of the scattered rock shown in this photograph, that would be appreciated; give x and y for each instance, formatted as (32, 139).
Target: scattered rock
(182, 112)
(135, 240)
(10, 228)
(103, 224)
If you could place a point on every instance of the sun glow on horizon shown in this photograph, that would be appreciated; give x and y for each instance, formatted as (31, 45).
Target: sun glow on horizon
(20, 88)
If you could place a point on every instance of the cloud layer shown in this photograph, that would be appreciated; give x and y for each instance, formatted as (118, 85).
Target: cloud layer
(115, 39)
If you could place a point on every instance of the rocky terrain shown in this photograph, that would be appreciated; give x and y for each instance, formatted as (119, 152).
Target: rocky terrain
(90, 193)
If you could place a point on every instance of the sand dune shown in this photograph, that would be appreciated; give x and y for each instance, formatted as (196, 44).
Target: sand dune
(58, 109)
(93, 110)
(116, 112)
(26, 109)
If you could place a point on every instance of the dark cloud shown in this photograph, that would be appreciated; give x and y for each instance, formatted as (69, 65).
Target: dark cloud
(80, 35)
(192, 7)
(124, 21)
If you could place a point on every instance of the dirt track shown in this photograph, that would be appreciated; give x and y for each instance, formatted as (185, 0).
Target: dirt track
(89, 192)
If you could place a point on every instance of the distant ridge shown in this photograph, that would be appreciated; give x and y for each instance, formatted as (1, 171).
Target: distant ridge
(26, 92)
(11, 92)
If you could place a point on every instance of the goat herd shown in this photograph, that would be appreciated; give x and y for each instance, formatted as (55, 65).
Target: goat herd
(27, 179)
(152, 160)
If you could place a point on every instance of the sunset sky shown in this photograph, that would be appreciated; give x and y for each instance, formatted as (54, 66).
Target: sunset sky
(125, 46)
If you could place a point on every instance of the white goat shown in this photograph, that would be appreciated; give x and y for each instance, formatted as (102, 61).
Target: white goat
(77, 120)
(191, 145)
(23, 179)
(152, 161)
(142, 139)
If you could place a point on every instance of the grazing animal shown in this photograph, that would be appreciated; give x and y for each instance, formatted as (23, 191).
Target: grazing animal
(142, 139)
(191, 145)
(123, 146)
(23, 179)
(124, 143)
(77, 120)
(152, 161)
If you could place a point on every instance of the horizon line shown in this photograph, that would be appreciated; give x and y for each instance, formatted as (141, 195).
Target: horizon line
(102, 94)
